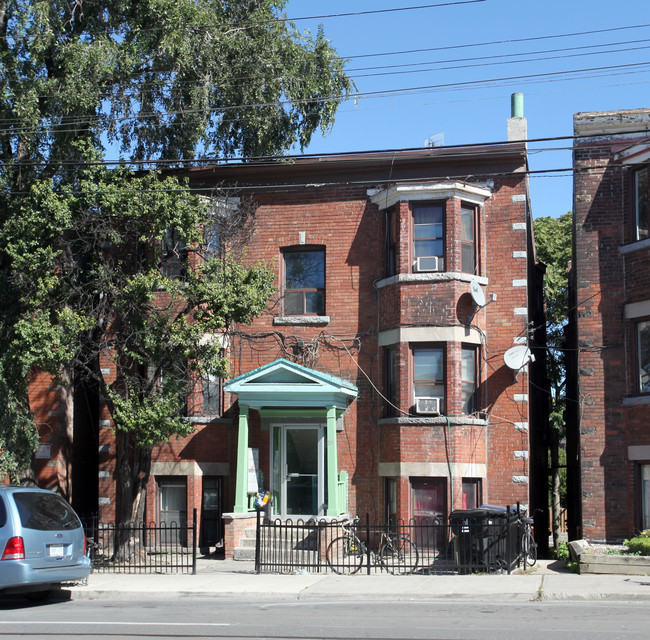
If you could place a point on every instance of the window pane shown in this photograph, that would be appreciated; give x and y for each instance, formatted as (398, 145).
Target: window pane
(314, 302)
(641, 197)
(45, 512)
(431, 215)
(428, 365)
(173, 497)
(424, 248)
(211, 395)
(293, 303)
(643, 331)
(468, 265)
(468, 377)
(467, 224)
(304, 270)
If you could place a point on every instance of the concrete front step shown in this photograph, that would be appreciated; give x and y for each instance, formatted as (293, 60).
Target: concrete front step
(283, 547)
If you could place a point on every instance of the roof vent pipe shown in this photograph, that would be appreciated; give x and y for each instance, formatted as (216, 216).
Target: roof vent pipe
(517, 124)
(517, 105)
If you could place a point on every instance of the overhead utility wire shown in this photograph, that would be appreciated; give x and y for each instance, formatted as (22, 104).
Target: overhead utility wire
(354, 156)
(490, 64)
(255, 23)
(493, 42)
(476, 177)
(552, 76)
(502, 55)
(391, 10)
(135, 87)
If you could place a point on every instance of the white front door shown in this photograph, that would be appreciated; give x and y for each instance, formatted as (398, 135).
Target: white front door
(299, 470)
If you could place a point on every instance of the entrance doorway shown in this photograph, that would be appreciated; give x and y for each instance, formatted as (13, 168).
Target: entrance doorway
(211, 522)
(298, 463)
(429, 508)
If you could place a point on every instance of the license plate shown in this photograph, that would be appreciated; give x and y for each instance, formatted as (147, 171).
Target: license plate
(56, 550)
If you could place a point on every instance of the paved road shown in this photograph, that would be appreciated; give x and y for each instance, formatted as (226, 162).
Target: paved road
(453, 620)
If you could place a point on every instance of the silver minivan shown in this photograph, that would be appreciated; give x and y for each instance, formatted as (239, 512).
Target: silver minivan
(42, 542)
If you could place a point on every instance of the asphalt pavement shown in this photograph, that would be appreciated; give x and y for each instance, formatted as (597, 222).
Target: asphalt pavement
(229, 579)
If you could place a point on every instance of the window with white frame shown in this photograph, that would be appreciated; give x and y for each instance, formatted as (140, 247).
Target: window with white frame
(641, 189)
(304, 281)
(429, 236)
(429, 376)
(643, 355)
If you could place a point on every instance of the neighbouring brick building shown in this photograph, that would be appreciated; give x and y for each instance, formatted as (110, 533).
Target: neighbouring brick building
(608, 373)
(376, 381)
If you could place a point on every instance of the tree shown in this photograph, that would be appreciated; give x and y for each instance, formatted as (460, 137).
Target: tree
(553, 243)
(162, 80)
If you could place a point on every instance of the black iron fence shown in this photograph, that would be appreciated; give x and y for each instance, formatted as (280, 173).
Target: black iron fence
(466, 543)
(141, 547)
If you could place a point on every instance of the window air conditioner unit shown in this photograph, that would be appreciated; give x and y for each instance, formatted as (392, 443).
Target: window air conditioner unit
(427, 406)
(428, 263)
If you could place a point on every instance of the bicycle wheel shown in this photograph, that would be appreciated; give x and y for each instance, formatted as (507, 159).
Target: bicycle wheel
(345, 555)
(398, 555)
(529, 549)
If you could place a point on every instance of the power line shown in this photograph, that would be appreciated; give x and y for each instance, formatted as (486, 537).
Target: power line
(376, 11)
(475, 178)
(490, 148)
(254, 23)
(494, 42)
(553, 76)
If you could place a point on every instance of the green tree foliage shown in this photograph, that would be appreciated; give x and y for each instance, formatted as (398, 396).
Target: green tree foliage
(553, 243)
(85, 252)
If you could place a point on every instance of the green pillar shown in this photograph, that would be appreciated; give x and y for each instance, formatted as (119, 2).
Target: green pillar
(241, 487)
(333, 507)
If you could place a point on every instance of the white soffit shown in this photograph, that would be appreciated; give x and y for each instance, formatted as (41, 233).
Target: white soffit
(385, 198)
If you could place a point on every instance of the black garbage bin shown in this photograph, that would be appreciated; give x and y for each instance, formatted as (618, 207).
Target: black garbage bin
(485, 539)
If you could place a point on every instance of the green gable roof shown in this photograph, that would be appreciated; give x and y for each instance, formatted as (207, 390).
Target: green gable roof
(286, 384)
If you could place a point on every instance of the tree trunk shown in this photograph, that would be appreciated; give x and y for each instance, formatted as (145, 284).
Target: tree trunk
(133, 471)
(555, 486)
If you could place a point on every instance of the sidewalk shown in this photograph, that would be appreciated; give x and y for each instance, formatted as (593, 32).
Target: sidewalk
(237, 580)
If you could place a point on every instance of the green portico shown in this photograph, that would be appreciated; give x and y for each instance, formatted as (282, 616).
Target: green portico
(301, 408)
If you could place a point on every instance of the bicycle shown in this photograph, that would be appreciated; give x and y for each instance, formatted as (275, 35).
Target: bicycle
(397, 554)
(528, 544)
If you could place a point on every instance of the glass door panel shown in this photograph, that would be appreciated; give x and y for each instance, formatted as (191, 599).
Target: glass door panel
(302, 470)
(298, 470)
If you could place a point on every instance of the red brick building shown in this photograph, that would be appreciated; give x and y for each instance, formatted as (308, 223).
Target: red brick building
(376, 381)
(608, 439)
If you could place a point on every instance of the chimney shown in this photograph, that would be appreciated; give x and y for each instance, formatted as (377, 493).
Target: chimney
(517, 124)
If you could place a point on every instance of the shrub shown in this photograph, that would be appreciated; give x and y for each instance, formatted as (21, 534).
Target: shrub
(640, 544)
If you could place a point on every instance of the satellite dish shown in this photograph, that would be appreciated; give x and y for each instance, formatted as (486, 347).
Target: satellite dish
(517, 357)
(477, 294)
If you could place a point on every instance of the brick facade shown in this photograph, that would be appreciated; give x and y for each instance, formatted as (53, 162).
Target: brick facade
(607, 416)
(341, 205)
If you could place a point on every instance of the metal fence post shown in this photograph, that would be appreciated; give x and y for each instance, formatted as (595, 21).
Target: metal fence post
(258, 531)
(368, 543)
(194, 523)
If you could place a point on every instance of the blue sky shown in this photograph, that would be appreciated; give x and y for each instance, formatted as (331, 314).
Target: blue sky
(489, 40)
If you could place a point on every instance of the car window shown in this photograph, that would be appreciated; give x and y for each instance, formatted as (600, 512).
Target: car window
(3, 513)
(45, 512)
